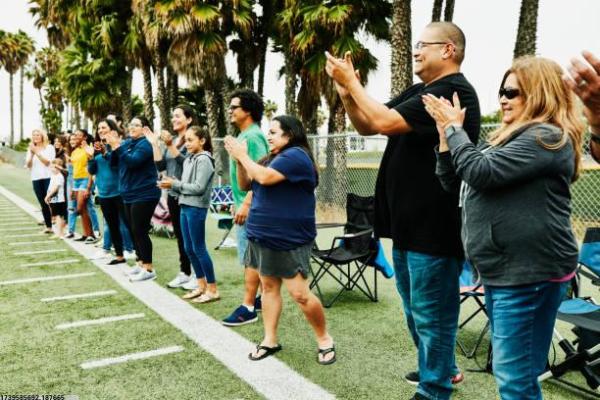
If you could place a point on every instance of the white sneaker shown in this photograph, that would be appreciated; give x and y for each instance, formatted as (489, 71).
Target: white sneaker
(191, 284)
(129, 255)
(134, 271)
(100, 254)
(145, 275)
(179, 280)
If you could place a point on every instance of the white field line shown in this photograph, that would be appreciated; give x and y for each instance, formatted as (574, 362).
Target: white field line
(130, 357)
(57, 262)
(28, 253)
(15, 219)
(99, 321)
(50, 241)
(46, 278)
(25, 235)
(270, 377)
(79, 296)
(23, 228)
(23, 223)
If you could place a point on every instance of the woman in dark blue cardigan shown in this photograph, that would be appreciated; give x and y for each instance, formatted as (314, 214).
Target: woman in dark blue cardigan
(137, 186)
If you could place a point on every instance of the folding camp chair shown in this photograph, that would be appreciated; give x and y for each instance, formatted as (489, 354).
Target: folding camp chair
(350, 254)
(470, 289)
(583, 354)
(221, 201)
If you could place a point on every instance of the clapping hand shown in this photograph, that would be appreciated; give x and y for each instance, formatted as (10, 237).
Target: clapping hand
(166, 182)
(235, 148)
(585, 82)
(113, 139)
(32, 148)
(342, 71)
(150, 136)
(444, 112)
(166, 137)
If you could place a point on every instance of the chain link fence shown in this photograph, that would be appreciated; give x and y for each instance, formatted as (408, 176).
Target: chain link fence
(349, 164)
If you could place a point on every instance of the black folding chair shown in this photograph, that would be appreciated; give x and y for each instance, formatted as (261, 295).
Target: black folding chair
(350, 254)
(471, 290)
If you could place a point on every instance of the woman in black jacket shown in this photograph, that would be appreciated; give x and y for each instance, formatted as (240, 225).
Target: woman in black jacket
(516, 207)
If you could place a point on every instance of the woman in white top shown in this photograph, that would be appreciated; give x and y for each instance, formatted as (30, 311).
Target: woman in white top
(39, 156)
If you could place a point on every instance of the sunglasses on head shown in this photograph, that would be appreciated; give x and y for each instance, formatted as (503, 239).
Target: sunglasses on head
(509, 93)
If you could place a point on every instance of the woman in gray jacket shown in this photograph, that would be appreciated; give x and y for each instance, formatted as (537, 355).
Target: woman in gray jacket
(193, 192)
(516, 207)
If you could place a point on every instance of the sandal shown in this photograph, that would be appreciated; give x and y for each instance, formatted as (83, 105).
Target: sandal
(323, 353)
(207, 297)
(193, 294)
(268, 351)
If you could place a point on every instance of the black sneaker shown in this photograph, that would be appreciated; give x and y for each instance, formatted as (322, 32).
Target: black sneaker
(80, 239)
(258, 304)
(418, 396)
(70, 236)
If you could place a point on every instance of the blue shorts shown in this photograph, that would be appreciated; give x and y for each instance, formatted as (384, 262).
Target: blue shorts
(80, 184)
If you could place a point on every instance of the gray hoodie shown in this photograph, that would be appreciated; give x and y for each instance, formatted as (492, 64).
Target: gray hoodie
(516, 205)
(195, 186)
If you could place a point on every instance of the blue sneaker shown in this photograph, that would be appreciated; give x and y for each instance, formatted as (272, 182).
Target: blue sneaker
(241, 316)
(258, 304)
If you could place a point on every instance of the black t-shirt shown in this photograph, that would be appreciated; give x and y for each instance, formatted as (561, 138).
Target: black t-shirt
(411, 207)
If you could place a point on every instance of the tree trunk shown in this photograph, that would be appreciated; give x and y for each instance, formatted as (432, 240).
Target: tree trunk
(436, 14)
(527, 31)
(401, 47)
(148, 98)
(213, 105)
(126, 96)
(173, 87)
(261, 71)
(21, 105)
(41, 98)
(76, 117)
(12, 113)
(162, 96)
(449, 10)
(291, 80)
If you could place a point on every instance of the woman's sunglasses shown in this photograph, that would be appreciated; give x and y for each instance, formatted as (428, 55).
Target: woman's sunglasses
(509, 93)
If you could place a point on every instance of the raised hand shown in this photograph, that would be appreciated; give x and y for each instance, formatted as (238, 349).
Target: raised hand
(235, 148)
(443, 111)
(150, 136)
(341, 71)
(584, 81)
(166, 137)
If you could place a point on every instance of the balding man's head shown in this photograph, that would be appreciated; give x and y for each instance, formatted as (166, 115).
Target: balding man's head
(450, 32)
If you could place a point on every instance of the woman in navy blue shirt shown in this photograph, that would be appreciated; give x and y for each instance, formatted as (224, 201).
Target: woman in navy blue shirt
(281, 229)
(137, 187)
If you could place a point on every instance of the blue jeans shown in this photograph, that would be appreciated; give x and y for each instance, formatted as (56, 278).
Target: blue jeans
(127, 243)
(193, 221)
(72, 215)
(241, 235)
(521, 321)
(429, 289)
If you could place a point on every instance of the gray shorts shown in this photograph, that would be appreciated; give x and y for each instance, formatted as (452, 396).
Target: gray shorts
(279, 263)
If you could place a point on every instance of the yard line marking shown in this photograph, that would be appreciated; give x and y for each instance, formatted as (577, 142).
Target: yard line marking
(27, 253)
(58, 262)
(52, 241)
(272, 378)
(46, 278)
(79, 296)
(130, 357)
(23, 228)
(26, 235)
(99, 321)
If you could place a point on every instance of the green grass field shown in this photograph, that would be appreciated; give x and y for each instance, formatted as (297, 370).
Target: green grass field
(374, 346)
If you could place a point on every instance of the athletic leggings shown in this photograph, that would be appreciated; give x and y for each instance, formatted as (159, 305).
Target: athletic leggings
(175, 213)
(110, 208)
(138, 215)
(40, 188)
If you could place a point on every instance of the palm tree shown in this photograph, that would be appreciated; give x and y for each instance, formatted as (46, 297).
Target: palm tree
(11, 61)
(449, 10)
(25, 50)
(334, 27)
(437, 10)
(402, 75)
(527, 31)
(270, 109)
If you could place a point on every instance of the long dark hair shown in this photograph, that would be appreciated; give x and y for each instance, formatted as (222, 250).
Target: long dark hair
(112, 125)
(188, 112)
(294, 130)
(202, 132)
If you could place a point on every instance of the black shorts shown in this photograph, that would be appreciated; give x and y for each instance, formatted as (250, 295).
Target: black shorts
(59, 209)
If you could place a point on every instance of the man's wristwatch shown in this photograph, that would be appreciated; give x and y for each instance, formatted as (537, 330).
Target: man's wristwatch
(451, 130)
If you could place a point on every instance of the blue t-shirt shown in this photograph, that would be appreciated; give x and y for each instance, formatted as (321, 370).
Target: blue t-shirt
(282, 216)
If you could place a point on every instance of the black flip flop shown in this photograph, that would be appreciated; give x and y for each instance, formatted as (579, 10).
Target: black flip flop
(116, 261)
(324, 352)
(268, 351)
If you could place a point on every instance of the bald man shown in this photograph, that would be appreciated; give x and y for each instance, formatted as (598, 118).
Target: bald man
(411, 207)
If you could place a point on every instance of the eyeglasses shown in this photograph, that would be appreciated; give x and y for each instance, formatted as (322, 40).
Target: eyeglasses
(233, 107)
(509, 93)
(419, 45)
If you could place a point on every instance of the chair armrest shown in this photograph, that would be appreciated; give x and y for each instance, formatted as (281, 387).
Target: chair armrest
(348, 236)
(326, 225)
